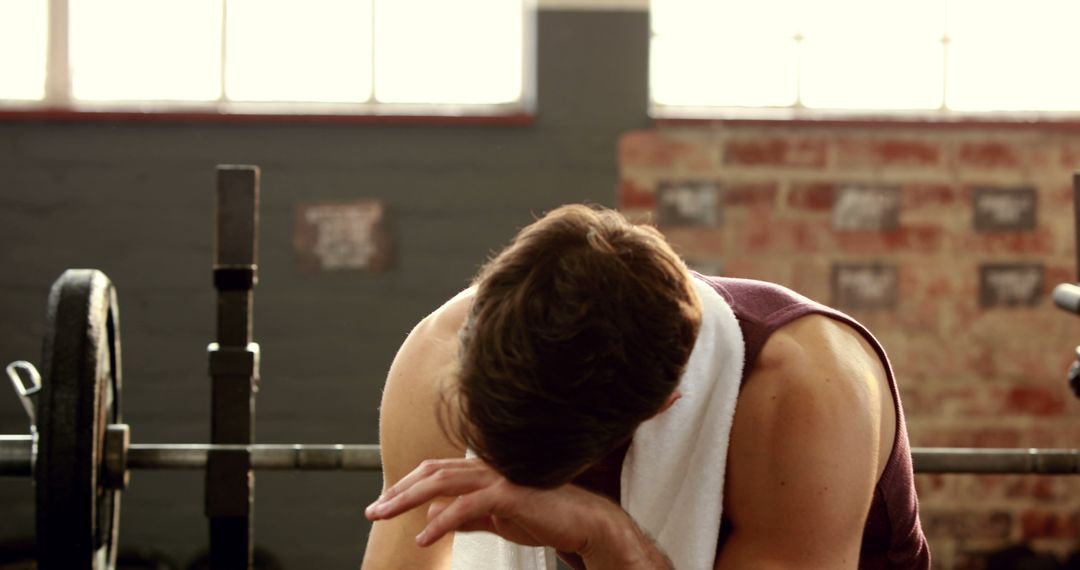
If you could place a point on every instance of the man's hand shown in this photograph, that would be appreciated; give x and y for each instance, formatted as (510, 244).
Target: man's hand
(566, 518)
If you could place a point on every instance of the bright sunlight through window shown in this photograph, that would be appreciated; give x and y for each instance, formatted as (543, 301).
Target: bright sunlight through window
(146, 50)
(23, 42)
(711, 57)
(465, 51)
(282, 50)
(282, 56)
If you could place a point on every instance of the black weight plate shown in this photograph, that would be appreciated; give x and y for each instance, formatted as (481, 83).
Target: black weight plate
(77, 518)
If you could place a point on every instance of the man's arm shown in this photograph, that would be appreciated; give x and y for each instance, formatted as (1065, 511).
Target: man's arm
(805, 452)
(409, 433)
(471, 496)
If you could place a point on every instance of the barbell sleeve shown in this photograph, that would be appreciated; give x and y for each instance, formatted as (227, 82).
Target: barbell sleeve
(16, 455)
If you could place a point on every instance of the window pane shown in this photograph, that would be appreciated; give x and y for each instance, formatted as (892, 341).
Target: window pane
(298, 50)
(739, 70)
(438, 51)
(873, 54)
(724, 53)
(146, 49)
(1007, 56)
(23, 39)
(712, 17)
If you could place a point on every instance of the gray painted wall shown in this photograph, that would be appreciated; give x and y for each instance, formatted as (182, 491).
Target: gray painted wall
(136, 200)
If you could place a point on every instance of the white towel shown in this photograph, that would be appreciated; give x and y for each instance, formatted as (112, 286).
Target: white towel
(673, 474)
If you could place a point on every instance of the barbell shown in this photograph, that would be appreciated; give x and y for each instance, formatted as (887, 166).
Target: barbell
(79, 452)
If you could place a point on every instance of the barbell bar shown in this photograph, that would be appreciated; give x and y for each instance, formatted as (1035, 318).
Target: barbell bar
(16, 458)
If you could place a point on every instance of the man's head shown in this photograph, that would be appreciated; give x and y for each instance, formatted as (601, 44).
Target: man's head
(579, 331)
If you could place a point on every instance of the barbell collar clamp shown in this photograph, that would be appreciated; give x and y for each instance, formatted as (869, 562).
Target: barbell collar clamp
(115, 464)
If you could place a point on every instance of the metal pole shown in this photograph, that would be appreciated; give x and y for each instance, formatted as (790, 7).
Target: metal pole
(287, 457)
(16, 452)
(234, 371)
(16, 456)
(987, 460)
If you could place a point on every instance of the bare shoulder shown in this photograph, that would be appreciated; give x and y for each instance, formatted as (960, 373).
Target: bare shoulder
(804, 455)
(408, 427)
(410, 432)
(816, 365)
(817, 371)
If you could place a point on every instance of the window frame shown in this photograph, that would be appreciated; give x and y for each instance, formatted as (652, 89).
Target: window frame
(60, 104)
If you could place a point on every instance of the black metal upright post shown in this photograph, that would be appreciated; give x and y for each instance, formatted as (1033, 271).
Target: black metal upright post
(1076, 218)
(234, 369)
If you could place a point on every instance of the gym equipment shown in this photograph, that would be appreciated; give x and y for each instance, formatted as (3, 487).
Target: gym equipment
(80, 454)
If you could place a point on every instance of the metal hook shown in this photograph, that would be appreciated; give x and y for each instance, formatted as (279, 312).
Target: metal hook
(27, 392)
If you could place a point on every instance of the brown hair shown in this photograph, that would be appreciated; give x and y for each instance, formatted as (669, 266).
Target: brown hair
(579, 331)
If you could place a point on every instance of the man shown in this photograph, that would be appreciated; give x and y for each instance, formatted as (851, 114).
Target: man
(570, 341)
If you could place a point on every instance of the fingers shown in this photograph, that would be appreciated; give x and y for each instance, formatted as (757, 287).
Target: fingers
(467, 512)
(437, 506)
(428, 482)
(425, 469)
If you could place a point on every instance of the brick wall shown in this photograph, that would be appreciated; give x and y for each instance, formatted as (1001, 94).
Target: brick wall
(882, 223)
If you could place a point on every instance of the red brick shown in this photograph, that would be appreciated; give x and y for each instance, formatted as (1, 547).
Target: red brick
(696, 242)
(919, 239)
(981, 361)
(697, 157)
(1047, 524)
(935, 400)
(752, 268)
(997, 437)
(776, 152)
(919, 318)
(932, 484)
(967, 524)
(1039, 241)
(920, 280)
(989, 155)
(1041, 489)
(818, 197)
(1070, 157)
(739, 195)
(812, 278)
(649, 148)
(1064, 196)
(1035, 400)
(982, 487)
(897, 152)
(764, 235)
(633, 196)
(1057, 274)
(928, 196)
(907, 153)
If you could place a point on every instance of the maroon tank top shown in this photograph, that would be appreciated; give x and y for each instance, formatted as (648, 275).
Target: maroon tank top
(892, 537)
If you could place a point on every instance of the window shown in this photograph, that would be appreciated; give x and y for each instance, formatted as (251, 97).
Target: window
(791, 58)
(23, 37)
(427, 57)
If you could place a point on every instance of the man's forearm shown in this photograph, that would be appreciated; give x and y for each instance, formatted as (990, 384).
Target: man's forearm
(618, 543)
